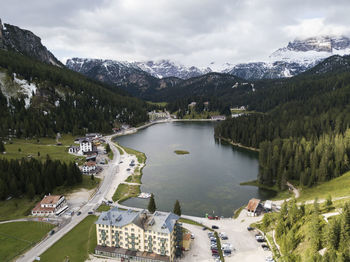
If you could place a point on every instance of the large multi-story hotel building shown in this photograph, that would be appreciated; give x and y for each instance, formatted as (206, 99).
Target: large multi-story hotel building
(138, 235)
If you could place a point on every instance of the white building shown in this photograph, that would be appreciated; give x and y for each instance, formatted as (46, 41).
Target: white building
(50, 205)
(138, 235)
(85, 146)
(89, 167)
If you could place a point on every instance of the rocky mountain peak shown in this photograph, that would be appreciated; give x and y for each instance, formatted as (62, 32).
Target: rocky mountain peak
(25, 42)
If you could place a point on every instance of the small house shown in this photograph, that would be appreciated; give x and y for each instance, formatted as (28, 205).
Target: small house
(89, 167)
(252, 207)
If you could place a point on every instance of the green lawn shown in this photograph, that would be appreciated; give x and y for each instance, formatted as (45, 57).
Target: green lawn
(121, 152)
(87, 183)
(134, 179)
(21, 207)
(103, 207)
(192, 222)
(203, 115)
(141, 157)
(17, 237)
(76, 245)
(125, 192)
(161, 104)
(337, 187)
(39, 148)
(16, 208)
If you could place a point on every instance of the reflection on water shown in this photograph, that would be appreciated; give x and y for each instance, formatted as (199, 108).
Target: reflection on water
(204, 181)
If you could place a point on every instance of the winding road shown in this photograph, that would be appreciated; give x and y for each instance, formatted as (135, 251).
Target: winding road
(92, 204)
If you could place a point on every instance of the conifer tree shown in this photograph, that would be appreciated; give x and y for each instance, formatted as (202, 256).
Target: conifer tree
(152, 205)
(177, 208)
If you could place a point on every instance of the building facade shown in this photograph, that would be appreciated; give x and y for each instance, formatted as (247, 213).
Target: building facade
(50, 205)
(138, 236)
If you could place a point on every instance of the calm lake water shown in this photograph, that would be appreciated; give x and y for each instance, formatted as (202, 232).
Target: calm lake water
(204, 181)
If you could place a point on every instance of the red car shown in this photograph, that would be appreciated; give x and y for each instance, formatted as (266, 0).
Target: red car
(213, 218)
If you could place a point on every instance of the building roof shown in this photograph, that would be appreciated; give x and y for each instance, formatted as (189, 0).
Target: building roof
(187, 237)
(253, 204)
(268, 204)
(162, 222)
(50, 199)
(90, 163)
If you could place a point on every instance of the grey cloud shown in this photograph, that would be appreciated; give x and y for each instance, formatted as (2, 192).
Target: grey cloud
(193, 32)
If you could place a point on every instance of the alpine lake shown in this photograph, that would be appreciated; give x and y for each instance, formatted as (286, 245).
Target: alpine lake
(205, 181)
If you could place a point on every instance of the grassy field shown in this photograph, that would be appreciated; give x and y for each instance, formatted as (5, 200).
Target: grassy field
(17, 237)
(337, 187)
(141, 157)
(125, 192)
(76, 245)
(121, 152)
(202, 115)
(16, 208)
(39, 148)
(103, 208)
(161, 104)
(134, 179)
(21, 207)
(181, 152)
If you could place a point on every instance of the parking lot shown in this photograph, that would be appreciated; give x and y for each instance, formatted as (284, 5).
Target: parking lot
(246, 247)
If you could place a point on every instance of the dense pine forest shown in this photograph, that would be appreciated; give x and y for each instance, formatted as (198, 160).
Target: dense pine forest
(65, 101)
(301, 128)
(33, 177)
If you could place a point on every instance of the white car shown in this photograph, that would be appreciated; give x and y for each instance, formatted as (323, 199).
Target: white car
(269, 259)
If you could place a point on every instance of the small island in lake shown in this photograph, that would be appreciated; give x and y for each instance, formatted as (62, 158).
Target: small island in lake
(181, 152)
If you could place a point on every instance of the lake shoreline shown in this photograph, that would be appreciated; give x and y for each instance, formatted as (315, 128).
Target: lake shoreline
(239, 145)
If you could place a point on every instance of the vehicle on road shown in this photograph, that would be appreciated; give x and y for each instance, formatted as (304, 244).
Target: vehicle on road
(128, 169)
(204, 228)
(269, 259)
(79, 213)
(214, 227)
(90, 212)
(265, 247)
(250, 228)
(52, 232)
(213, 217)
(192, 236)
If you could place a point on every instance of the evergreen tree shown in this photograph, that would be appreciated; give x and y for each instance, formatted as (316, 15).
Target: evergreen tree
(108, 148)
(177, 208)
(2, 147)
(152, 204)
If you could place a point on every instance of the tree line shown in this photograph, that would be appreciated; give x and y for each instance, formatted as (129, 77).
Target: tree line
(32, 177)
(65, 101)
(299, 128)
(304, 226)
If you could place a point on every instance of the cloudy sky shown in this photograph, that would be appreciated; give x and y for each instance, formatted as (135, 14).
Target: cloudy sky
(192, 32)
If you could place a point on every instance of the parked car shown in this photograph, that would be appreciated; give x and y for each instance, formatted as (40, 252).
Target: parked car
(261, 240)
(192, 236)
(213, 217)
(210, 234)
(79, 213)
(90, 212)
(250, 228)
(269, 259)
(265, 247)
(204, 228)
(214, 227)
(52, 232)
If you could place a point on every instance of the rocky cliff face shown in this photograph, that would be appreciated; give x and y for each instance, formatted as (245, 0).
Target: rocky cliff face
(25, 42)
(166, 68)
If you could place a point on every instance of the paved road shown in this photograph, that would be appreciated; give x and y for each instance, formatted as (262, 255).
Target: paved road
(93, 203)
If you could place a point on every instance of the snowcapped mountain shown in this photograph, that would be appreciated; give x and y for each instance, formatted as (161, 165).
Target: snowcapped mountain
(166, 68)
(297, 57)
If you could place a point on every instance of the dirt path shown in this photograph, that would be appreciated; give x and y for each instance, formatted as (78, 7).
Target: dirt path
(294, 189)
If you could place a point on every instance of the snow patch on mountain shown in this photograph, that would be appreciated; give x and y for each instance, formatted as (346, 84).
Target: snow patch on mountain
(27, 89)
